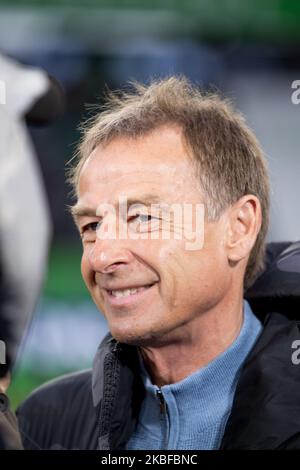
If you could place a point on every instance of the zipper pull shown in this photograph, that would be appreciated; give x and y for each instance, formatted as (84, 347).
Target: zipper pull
(116, 348)
(162, 402)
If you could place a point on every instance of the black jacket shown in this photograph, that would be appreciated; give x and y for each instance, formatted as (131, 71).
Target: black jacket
(98, 409)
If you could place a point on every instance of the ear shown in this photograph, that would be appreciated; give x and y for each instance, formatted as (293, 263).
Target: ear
(244, 224)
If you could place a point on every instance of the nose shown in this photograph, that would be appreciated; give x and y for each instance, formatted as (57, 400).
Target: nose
(108, 256)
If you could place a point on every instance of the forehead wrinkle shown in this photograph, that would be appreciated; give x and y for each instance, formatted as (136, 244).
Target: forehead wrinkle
(103, 170)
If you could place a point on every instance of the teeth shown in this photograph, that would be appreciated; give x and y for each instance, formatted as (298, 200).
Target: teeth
(126, 292)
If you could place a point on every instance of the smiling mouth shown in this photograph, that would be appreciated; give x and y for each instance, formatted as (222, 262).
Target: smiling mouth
(128, 298)
(121, 293)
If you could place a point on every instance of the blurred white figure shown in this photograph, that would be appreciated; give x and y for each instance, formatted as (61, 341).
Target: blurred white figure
(24, 214)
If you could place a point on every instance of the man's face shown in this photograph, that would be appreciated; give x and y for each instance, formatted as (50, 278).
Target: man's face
(175, 284)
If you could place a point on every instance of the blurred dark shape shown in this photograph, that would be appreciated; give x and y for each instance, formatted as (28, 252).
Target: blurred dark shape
(277, 289)
(49, 107)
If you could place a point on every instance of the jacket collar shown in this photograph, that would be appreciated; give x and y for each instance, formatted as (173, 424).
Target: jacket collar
(118, 392)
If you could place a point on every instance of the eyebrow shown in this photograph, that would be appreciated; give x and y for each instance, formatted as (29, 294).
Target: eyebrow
(145, 200)
(79, 210)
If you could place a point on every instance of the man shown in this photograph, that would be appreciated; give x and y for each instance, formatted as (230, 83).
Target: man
(172, 208)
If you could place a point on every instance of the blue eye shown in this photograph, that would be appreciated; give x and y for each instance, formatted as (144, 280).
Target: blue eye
(91, 227)
(142, 218)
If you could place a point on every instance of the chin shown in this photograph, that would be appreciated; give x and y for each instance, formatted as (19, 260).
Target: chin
(135, 338)
(140, 336)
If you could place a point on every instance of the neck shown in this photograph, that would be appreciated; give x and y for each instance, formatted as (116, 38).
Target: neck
(194, 345)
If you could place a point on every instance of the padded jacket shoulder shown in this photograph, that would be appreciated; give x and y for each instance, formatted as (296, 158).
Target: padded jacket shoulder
(62, 415)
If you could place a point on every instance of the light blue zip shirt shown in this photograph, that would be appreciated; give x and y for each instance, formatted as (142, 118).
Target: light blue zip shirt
(192, 413)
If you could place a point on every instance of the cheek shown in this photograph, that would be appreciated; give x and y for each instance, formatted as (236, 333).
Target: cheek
(209, 278)
(169, 253)
(86, 271)
(174, 270)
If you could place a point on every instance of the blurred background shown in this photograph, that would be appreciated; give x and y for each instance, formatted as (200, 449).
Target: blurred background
(248, 50)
